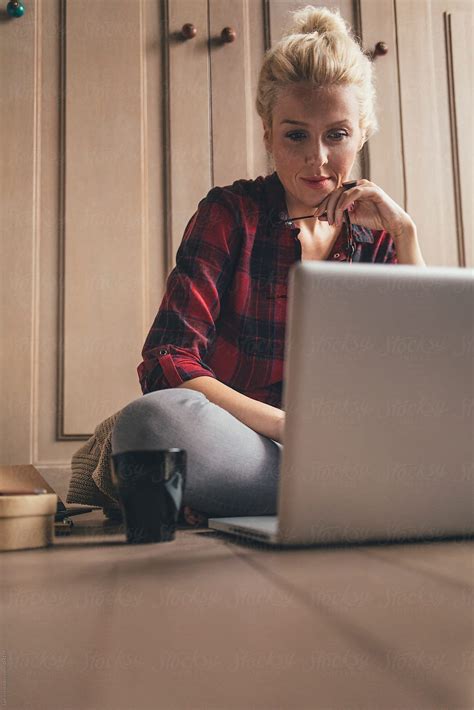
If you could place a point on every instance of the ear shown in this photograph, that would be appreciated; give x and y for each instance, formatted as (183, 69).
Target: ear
(266, 135)
(362, 141)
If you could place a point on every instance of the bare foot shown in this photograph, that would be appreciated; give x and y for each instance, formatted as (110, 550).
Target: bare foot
(192, 517)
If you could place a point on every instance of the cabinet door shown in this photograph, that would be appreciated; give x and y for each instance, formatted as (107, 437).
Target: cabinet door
(82, 264)
(436, 68)
(422, 155)
(214, 134)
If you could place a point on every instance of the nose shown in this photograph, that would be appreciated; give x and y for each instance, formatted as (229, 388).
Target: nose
(318, 154)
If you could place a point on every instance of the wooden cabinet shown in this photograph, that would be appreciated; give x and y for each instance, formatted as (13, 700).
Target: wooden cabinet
(114, 126)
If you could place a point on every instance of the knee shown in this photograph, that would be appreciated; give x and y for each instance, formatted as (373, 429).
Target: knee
(142, 422)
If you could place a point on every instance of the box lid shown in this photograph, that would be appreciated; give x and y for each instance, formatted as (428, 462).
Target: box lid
(23, 504)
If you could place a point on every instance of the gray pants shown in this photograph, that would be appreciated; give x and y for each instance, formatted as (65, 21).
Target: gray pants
(231, 470)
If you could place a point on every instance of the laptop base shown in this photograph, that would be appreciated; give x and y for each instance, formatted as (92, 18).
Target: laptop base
(263, 528)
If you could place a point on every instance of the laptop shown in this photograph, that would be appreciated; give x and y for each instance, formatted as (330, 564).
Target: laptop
(27, 477)
(379, 396)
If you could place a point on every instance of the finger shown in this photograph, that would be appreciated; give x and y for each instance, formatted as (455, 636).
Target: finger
(345, 199)
(340, 205)
(333, 200)
(329, 204)
(321, 208)
(322, 204)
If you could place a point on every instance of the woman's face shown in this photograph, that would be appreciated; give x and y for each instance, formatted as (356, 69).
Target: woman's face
(315, 132)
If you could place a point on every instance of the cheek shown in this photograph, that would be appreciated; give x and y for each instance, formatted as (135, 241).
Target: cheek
(345, 159)
(292, 152)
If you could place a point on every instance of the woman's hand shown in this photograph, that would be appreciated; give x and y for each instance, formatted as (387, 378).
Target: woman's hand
(369, 206)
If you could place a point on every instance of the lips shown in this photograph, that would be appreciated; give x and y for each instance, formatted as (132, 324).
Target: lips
(317, 183)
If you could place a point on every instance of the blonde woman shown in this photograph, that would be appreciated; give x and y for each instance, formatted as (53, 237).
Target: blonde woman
(212, 364)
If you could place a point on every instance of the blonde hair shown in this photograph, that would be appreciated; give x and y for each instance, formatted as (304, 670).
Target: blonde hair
(318, 49)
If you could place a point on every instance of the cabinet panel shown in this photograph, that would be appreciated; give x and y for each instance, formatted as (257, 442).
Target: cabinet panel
(430, 151)
(214, 129)
(233, 66)
(189, 127)
(460, 31)
(103, 225)
(19, 238)
(101, 219)
(384, 148)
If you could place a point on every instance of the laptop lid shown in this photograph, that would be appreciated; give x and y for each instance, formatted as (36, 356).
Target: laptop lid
(379, 394)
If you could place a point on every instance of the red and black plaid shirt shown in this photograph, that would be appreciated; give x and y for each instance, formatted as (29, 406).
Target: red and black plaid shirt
(224, 310)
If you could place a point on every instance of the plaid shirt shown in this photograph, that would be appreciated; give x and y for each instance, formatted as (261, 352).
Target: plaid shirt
(224, 310)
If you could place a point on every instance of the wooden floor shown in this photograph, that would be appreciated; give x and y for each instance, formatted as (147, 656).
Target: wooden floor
(209, 623)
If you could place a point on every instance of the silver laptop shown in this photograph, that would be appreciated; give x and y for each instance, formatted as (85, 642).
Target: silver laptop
(379, 398)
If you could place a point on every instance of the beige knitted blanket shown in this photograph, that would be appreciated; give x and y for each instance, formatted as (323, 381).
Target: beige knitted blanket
(91, 481)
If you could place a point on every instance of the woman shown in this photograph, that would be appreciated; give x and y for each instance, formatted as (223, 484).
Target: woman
(212, 364)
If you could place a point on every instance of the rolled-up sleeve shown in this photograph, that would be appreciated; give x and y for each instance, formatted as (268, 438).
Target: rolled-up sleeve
(383, 250)
(185, 326)
(391, 253)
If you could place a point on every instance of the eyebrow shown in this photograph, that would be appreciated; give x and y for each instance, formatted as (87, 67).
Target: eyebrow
(302, 123)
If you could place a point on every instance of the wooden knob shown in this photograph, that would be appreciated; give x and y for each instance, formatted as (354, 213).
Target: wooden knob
(188, 31)
(380, 49)
(228, 34)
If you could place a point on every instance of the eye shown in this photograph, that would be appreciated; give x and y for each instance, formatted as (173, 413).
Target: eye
(298, 136)
(295, 136)
(339, 135)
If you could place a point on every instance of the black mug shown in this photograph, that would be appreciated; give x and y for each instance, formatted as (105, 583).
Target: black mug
(150, 486)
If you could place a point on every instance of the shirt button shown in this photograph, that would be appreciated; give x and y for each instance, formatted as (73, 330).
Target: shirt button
(336, 255)
(163, 351)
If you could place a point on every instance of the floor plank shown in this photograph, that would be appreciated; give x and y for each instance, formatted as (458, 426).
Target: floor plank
(407, 607)
(208, 622)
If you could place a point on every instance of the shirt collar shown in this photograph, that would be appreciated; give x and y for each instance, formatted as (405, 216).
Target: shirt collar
(277, 210)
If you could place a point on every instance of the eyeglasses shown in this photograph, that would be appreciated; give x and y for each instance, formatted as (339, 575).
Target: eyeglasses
(350, 247)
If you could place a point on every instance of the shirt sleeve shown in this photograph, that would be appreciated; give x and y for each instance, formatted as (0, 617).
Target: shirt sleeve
(383, 250)
(391, 253)
(184, 327)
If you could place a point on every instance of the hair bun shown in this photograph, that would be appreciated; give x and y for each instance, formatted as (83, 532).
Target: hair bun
(310, 19)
